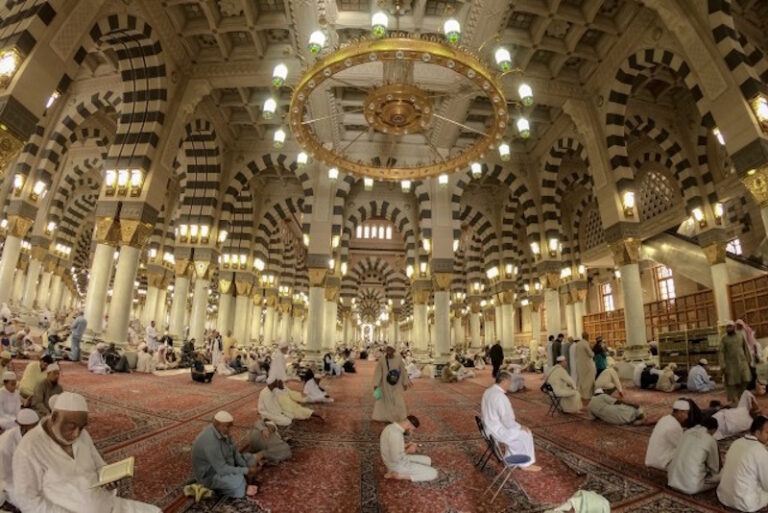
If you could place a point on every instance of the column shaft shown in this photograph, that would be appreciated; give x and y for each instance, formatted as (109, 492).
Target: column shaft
(474, 330)
(241, 327)
(552, 302)
(442, 341)
(508, 327)
(256, 323)
(179, 307)
(498, 324)
(720, 280)
(269, 321)
(315, 322)
(329, 336)
(122, 294)
(634, 314)
(55, 290)
(18, 286)
(160, 310)
(420, 330)
(11, 252)
(222, 317)
(98, 283)
(579, 310)
(30, 286)
(150, 305)
(199, 309)
(570, 320)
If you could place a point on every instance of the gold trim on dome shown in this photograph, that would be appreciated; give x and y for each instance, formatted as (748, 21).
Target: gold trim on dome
(401, 49)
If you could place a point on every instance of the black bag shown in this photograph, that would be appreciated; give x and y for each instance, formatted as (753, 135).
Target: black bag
(393, 375)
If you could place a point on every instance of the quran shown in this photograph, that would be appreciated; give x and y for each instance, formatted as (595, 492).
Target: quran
(115, 472)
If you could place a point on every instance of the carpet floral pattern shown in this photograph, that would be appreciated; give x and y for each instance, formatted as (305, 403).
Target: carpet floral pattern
(336, 467)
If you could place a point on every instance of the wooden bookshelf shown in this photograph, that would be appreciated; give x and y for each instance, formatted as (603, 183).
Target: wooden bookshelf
(688, 312)
(609, 325)
(749, 301)
(687, 347)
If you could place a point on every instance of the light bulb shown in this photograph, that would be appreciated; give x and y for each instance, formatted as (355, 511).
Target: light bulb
(524, 127)
(368, 183)
(379, 22)
(279, 74)
(258, 263)
(719, 211)
(18, 181)
(270, 106)
(455, 245)
(698, 215)
(52, 99)
(477, 169)
(405, 185)
(504, 151)
(535, 249)
(719, 136)
(39, 188)
(301, 159)
(223, 235)
(526, 94)
(761, 108)
(628, 199)
(333, 174)
(553, 244)
(442, 180)
(503, 59)
(316, 42)
(51, 226)
(452, 30)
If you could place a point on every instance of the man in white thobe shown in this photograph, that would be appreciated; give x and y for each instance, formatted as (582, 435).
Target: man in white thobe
(26, 419)
(96, 362)
(151, 336)
(499, 421)
(401, 460)
(734, 421)
(277, 368)
(744, 480)
(56, 466)
(695, 466)
(698, 379)
(666, 436)
(10, 401)
(269, 405)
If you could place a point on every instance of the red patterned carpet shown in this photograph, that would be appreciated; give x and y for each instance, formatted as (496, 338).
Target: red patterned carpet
(336, 466)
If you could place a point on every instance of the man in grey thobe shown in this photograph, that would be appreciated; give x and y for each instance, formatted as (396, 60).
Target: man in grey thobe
(265, 439)
(735, 358)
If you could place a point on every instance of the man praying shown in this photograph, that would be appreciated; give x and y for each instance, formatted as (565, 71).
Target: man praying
(695, 466)
(564, 387)
(56, 466)
(269, 407)
(218, 464)
(609, 381)
(10, 401)
(613, 411)
(698, 379)
(45, 389)
(744, 480)
(666, 436)
(400, 458)
(96, 362)
(25, 420)
(499, 420)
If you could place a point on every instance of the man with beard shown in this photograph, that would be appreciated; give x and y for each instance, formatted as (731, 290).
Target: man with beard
(25, 420)
(45, 389)
(56, 466)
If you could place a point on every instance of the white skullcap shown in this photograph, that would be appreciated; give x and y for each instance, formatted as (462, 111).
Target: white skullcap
(26, 417)
(681, 405)
(703, 361)
(100, 345)
(52, 367)
(52, 401)
(223, 416)
(69, 401)
(561, 358)
(283, 345)
(6, 355)
(270, 380)
(599, 391)
(730, 323)
(9, 376)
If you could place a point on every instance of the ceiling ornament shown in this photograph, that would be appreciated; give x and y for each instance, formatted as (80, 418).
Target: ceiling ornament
(399, 105)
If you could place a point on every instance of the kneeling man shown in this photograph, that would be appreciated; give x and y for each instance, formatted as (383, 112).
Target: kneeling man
(401, 460)
(499, 421)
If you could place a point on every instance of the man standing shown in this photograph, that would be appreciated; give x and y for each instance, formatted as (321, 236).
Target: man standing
(56, 466)
(78, 329)
(96, 362)
(744, 480)
(150, 336)
(734, 354)
(585, 368)
(390, 380)
(557, 348)
(698, 379)
(401, 460)
(217, 463)
(499, 420)
(277, 368)
(496, 354)
(564, 387)
(25, 420)
(45, 389)
(666, 436)
(695, 467)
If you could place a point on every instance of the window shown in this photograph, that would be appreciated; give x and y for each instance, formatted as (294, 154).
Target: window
(381, 232)
(665, 284)
(734, 247)
(389, 233)
(367, 232)
(359, 231)
(606, 294)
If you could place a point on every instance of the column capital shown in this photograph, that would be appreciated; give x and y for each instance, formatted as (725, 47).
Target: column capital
(331, 293)
(551, 280)
(49, 265)
(22, 263)
(182, 268)
(155, 278)
(507, 297)
(317, 276)
(10, 146)
(474, 305)
(243, 285)
(715, 252)
(203, 269)
(442, 281)
(256, 297)
(107, 231)
(625, 251)
(536, 302)
(18, 226)
(756, 182)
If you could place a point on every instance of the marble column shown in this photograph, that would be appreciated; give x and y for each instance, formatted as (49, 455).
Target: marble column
(243, 303)
(58, 293)
(98, 284)
(420, 330)
(716, 256)
(474, 330)
(30, 286)
(225, 306)
(508, 322)
(122, 294)
(345, 332)
(150, 305)
(256, 319)
(285, 322)
(179, 300)
(315, 315)
(498, 323)
(269, 321)
(442, 341)
(55, 291)
(570, 319)
(160, 310)
(580, 312)
(552, 302)
(458, 331)
(18, 286)
(634, 313)
(8, 261)
(199, 308)
(45, 287)
(329, 334)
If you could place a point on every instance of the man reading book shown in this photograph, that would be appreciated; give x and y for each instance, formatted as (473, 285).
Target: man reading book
(56, 466)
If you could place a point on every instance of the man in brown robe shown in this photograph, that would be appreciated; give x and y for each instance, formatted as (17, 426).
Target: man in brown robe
(390, 379)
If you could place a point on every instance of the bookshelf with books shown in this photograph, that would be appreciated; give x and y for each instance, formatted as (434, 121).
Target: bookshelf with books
(687, 347)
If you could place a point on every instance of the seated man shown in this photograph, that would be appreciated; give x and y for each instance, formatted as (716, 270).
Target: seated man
(313, 391)
(218, 464)
(266, 440)
(56, 466)
(516, 378)
(564, 387)
(499, 421)
(649, 377)
(668, 379)
(187, 354)
(10, 401)
(609, 380)
(613, 411)
(144, 361)
(198, 371)
(695, 466)
(269, 406)
(34, 373)
(237, 364)
(401, 460)
(96, 362)
(666, 436)
(412, 368)
(734, 421)
(698, 379)
(25, 420)
(45, 389)
(291, 403)
(744, 479)
(5, 361)
(116, 361)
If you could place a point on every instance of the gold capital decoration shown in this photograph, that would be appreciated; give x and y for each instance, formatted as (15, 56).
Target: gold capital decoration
(507, 297)
(182, 268)
(155, 280)
(625, 251)
(107, 231)
(317, 276)
(202, 269)
(715, 253)
(225, 286)
(257, 298)
(756, 182)
(22, 264)
(536, 306)
(38, 253)
(331, 294)
(59, 271)
(49, 265)
(243, 287)
(552, 279)
(271, 301)
(420, 296)
(18, 226)
(134, 232)
(285, 308)
(474, 306)
(581, 294)
(10, 146)
(442, 281)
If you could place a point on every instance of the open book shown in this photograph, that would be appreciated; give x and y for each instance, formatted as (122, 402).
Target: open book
(115, 471)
